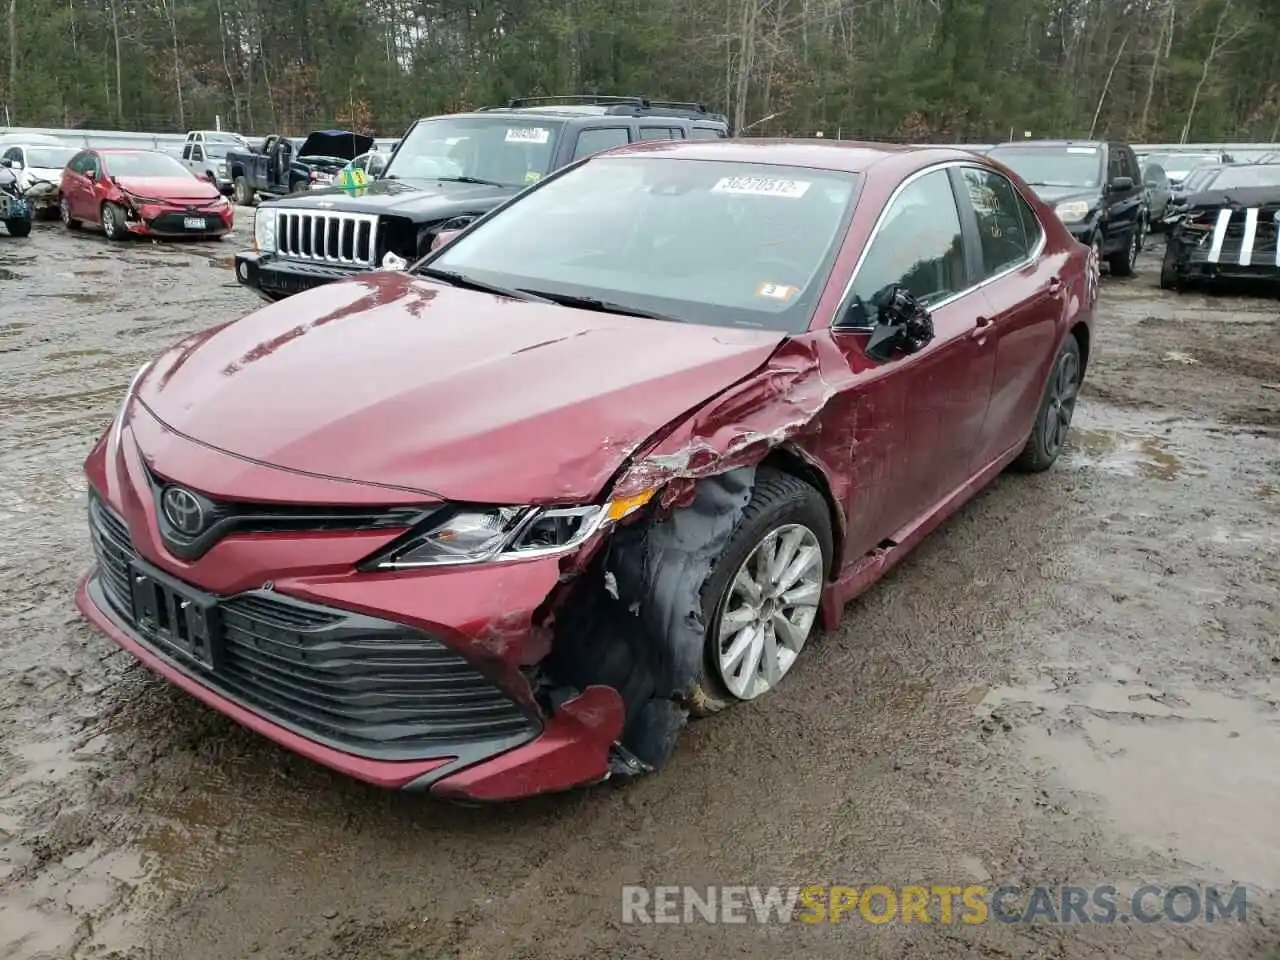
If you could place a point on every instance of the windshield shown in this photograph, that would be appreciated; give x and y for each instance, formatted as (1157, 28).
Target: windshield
(1053, 167)
(1200, 177)
(143, 164)
(501, 150)
(217, 151)
(1248, 175)
(49, 158)
(713, 242)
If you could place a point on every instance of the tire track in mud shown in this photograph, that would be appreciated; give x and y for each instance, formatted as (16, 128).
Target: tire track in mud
(984, 715)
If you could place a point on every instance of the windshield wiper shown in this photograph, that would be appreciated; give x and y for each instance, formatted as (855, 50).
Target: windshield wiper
(601, 306)
(468, 283)
(485, 183)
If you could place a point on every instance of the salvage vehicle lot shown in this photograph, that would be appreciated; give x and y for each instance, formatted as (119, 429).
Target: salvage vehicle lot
(1071, 682)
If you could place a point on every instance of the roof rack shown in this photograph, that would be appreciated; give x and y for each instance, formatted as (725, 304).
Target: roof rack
(642, 102)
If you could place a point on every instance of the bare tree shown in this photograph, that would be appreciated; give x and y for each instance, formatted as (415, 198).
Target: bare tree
(1215, 47)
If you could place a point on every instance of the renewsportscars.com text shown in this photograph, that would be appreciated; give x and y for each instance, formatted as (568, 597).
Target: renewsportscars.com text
(970, 904)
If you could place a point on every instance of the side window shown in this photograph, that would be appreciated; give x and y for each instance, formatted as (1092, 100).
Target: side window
(659, 133)
(602, 138)
(197, 153)
(706, 133)
(91, 164)
(186, 152)
(1155, 175)
(14, 154)
(1113, 163)
(376, 163)
(1001, 221)
(361, 162)
(918, 244)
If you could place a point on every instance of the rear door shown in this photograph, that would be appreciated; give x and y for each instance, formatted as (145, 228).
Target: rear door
(1024, 294)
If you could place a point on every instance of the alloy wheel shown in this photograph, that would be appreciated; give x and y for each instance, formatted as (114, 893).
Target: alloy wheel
(109, 222)
(769, 610)
(1064, 387)
(64, 209)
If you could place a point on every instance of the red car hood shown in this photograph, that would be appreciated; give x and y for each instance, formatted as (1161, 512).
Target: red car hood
(396, 381)
(169, 188)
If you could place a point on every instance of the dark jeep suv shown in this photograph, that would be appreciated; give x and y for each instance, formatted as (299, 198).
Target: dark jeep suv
(447, 170)
(1096, 188)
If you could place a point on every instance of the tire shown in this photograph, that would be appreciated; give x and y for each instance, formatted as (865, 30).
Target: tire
(1169, 277)
(780, 502)
(64, 211)
(18, 228)
(1049, 436)
(1122, 262)
(241, 193)
(113, 227)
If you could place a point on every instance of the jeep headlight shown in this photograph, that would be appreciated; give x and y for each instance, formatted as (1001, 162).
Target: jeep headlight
(461, 535)
(1073, 211)
(264, 230)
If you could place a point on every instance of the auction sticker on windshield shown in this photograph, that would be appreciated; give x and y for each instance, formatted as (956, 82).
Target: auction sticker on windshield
(528, 135)
(1082, 149)
(776, 291)
(762, 186)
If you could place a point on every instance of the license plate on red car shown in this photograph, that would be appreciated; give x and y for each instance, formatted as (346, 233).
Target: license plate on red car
(175, 617)
(193, 223)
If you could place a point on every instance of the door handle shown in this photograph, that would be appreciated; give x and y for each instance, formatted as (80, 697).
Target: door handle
(1055, 286)
(984, 327)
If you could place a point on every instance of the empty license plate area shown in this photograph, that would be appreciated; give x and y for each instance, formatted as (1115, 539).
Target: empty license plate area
(176, 617)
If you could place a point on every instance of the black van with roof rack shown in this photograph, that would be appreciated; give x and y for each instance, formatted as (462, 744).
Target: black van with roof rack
(447, 170)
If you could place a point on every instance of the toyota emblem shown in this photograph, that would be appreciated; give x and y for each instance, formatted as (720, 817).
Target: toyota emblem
(183, 510)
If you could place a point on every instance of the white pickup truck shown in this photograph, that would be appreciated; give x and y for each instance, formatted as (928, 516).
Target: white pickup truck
(205, 152)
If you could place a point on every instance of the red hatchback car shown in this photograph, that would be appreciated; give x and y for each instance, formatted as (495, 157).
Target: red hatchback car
(501, 522)
(141, 193)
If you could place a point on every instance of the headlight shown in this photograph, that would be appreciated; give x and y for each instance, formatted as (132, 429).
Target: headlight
(264, 230)
(1072, 211)
(477, 535)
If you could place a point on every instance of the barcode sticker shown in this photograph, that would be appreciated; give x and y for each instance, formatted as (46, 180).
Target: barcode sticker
(528, 135)
(762, 186)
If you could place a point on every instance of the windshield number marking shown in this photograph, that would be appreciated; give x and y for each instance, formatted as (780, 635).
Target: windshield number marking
(762, 186)
(528, 135)
(776, 291)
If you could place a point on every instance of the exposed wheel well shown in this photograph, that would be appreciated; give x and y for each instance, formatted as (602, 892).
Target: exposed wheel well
(1081, 332)
(787, 460)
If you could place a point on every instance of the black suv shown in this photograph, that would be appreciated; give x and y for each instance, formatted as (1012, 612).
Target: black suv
(447, 170)
(1096, 188)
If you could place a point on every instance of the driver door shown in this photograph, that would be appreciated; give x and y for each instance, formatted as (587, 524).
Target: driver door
(916, 416)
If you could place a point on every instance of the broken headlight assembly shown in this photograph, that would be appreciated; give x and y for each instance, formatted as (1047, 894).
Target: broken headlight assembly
(1073, 211)
(463, 535)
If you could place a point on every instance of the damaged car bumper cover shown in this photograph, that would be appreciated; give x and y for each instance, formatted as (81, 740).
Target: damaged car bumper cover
(404, 682)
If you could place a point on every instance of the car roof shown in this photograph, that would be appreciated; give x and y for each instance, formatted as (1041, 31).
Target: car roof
(1053, 143)
(849, 156)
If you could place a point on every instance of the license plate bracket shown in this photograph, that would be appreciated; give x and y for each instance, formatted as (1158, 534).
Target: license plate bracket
(177, 617)
(193, 223)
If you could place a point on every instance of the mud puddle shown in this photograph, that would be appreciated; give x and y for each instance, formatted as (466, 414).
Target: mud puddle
(1176, 768)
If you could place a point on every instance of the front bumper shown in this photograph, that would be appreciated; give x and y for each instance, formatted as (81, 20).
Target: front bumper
(400, 681)
(1193, 257)
(157, 221)
(274, 279)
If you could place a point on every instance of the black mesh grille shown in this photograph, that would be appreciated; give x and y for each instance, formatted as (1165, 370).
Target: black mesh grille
(366, 685)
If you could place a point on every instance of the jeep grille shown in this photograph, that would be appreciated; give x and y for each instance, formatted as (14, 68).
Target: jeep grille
(349, 239)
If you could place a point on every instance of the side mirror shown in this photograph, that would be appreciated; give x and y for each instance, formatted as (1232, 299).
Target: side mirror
(8, 163)
(903, 324)
(1121, 184)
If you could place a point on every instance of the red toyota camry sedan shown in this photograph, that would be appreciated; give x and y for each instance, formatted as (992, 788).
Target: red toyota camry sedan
(501, 522)
(141, 193)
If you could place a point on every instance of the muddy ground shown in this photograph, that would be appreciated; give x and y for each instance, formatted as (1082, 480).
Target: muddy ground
(1073, 682)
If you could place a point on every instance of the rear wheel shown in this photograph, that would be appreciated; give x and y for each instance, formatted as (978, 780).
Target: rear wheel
(1053, 419)
(760, 603)
(64, 211)
(241, 193)
(18, 228)
(1169, 278)
(113, 222)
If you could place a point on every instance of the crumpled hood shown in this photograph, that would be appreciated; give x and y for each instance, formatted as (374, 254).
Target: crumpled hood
(396, 381)
(169, 188)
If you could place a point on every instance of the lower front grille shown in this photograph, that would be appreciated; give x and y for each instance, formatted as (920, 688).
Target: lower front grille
(345, 239)
(177, 222)
(364, 685)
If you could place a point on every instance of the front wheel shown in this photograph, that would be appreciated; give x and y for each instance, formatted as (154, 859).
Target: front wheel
(1122, 261)
(1053, 419)
(113, 222)
(760, 603)
(18, 228)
